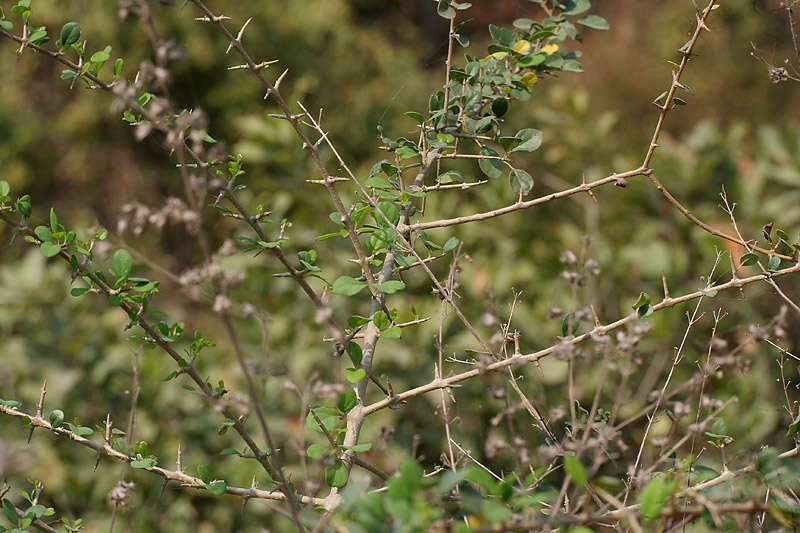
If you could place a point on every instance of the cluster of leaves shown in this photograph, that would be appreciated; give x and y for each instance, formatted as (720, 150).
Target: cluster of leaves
(22, 523)
(478, 95)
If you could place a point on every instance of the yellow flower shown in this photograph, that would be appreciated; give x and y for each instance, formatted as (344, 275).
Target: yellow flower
(529, 78)
(550, 49)
(522, 46)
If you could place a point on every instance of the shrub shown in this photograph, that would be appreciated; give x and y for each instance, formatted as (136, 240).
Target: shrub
(385, 373)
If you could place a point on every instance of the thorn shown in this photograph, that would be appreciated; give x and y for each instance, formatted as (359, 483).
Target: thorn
(218, 18)
(241, 32)
(179, 459)
(107, 436)
(666, 288)
(701, 23)
(594, 313)
(39, 407)
(285, 117)
(280, 79)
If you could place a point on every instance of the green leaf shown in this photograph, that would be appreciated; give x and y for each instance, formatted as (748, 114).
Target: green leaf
(70, 32)
(444, 10)
(317, 451)
(493, 168)
(10, 511)
(390, 211)
(499, 107)
(217, 487)
(380, 319)
(354, 375)
(43, 233)
(121, 263)
(203, 473)
(392, 333)
(575, 7)
(354, 350)
(327, 415)
(50, 249)
(653, 498)
(575, 469)
(595, 22)
(79, 291)
(449, 177)
(336, 475)
(54, 221)
(530, 138)
(5, 188)
(748, 259)
(119, 64)
(6, 25)
(793, 428)
(229, 451)
(347, 400)
(406, 152)
(451, 244)
(643, 300)
(774, 263)
(23, 206)
(416, 116)
(101, 56)
(495, 511)
(56, 417)
(521, 181)
(391, 286)
(347, 286)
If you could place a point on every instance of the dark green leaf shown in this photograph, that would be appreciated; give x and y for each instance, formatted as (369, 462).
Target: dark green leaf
(10, 511)
(643, 299)
(774, 263)
(530, 140)
(748, 259)
(347, 400)
(444, 10)
(354, 350)
(499, 107)
(521, 181)
(70, 32)
(493, 167)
